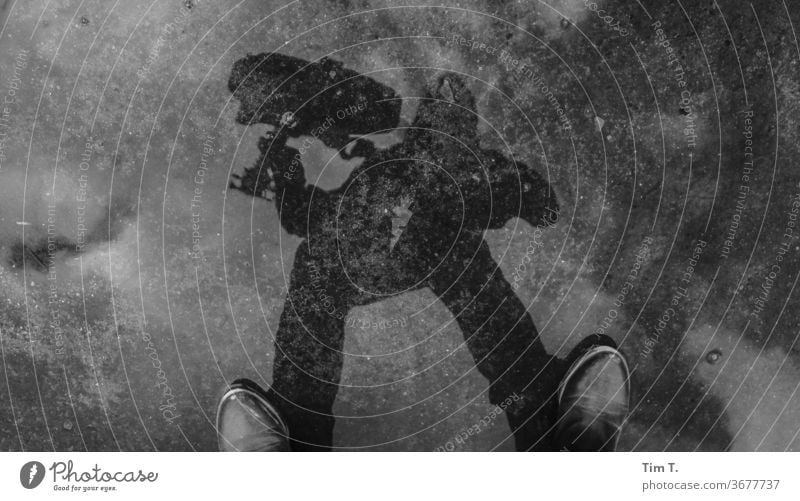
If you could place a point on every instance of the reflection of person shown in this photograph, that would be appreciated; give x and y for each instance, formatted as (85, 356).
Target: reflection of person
(447, 190)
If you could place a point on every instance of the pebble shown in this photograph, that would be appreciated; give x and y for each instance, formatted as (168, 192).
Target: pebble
(713, 356)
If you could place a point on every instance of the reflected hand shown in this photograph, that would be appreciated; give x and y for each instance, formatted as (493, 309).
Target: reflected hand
(277, 168)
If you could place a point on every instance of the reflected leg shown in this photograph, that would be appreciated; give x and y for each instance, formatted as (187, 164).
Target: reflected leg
(308, 352)
(504, 343)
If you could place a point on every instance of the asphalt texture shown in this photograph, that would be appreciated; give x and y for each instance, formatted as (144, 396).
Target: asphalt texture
(532, 173)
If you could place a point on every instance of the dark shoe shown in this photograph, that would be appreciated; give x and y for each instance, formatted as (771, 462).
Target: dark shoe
(247, 421)
(593, 397)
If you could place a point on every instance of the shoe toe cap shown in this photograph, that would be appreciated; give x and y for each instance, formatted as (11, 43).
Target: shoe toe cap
(246, 424)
